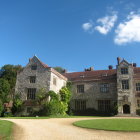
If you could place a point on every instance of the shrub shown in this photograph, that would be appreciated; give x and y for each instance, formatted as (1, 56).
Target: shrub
(17, 104)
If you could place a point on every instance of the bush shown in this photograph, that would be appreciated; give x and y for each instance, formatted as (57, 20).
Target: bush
(55, 108)
(8, 114)
(17, 104)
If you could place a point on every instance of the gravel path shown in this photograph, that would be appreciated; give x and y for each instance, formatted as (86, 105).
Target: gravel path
(62, 129)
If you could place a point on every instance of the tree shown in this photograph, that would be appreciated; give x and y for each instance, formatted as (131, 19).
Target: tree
(65, 94)
(9, 73)
(1, 107)
(41, 96)
(4, 90)
(59, 69)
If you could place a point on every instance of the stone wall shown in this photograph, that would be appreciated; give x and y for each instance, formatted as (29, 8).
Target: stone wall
(92, 93)
(44, 78)
(126, 96)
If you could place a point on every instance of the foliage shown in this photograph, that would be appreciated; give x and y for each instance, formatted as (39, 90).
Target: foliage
(69, 85)
(4, 90)
(65, 95)
(41, 96)
(5, 129)
(1, 107)
(8, 114)
(55, 107)
(111, 124)
(59, 69)
(9, 72)
(17, 104)
(53, 96)
(58, 104)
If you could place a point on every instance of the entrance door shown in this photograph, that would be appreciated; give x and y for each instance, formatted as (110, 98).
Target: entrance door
(126, 109)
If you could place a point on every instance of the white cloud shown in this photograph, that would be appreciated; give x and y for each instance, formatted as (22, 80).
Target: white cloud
(107, 23)
(87, 26)
(128, 31)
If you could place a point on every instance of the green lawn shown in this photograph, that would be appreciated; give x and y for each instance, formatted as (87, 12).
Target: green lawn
(110, 124)
(5, 129)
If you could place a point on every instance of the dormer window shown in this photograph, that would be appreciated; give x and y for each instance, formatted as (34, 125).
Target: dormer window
(124, 70)
(34, 67)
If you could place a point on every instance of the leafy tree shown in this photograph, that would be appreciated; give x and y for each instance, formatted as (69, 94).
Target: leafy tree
(41, 96)
(59, 69)
(4, 90)
(1, 107)
(65, 94)
(53, 96)
(9, 73)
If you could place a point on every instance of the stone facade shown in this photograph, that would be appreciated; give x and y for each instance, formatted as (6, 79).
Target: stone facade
(30, 80)
(101, 90)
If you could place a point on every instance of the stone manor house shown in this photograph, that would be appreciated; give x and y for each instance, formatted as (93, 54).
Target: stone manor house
(91, 89)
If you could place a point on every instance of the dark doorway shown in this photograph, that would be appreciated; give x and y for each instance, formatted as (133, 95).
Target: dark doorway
(126, 109)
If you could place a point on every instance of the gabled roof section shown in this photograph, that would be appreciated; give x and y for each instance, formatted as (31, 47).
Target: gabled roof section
(124, 62)
(36, 58)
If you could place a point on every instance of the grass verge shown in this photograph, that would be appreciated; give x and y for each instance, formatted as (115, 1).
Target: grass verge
(5, 129)
(128, 125)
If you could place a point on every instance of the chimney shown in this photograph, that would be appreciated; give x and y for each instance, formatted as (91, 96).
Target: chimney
(64, 71)
(134, 65)
(110, 67)
(118, 60)
(91, 69)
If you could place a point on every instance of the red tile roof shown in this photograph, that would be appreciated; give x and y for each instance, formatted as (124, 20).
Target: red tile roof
(92, 75)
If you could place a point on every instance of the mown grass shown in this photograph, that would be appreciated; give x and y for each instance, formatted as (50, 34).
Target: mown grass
(111, 124)
(5, 129)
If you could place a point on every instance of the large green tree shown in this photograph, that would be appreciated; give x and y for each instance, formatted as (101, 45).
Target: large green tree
(9, 73)
(1, 107)
(4, 90)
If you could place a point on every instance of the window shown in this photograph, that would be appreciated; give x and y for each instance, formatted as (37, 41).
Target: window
(31, 93)
(54, 81)
(124, 70)
(80, 105)
(80, 89)
(34, 67)
(32, 79)
(104, 105)
(104, 88)
(137, 86)
(125, 84)
(138, 103)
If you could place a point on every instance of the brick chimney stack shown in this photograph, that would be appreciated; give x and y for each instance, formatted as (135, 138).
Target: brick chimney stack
(134, 65)
(64, 71)
(118, 60)
(110, 67)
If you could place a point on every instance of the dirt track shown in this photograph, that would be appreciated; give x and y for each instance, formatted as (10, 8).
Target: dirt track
(62, 129)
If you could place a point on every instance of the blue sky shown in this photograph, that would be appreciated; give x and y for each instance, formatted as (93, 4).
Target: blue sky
(74, 34)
